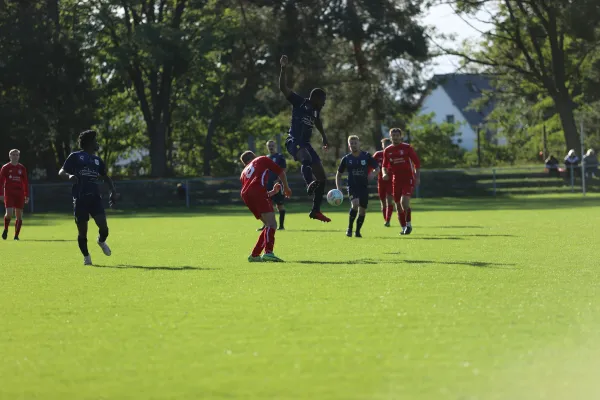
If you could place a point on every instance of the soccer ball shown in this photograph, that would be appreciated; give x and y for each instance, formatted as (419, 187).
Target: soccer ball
(335, 197)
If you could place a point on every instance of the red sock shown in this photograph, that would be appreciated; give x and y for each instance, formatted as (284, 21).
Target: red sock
(402, 218)
(408, 215)
(269, 239)
(18, 224)
(389, 213)
(6, 223)
(260, 244)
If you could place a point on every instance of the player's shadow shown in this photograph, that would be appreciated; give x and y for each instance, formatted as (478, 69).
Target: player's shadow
(397, 237)
(349, 262)
(314, 230)
(49, 240)
(454, 227)
(184, 268)
(480, 235)
(479, 264)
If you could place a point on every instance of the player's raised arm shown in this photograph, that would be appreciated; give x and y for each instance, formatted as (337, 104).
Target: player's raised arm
(283, 77)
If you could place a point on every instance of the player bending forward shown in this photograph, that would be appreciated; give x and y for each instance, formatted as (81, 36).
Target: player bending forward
(13, 181)
(86, 171)
(277, 198)
(401, 165)
(384, 188)
(306, 113)
(254, 193)
(358, 163)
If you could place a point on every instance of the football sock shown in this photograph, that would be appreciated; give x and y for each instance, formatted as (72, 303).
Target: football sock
(318, 197)
(18, 224)
(269, 239)
(384, 211)
(390, 212)
(6, 223)
(260, 244)
(307, 173)
(402, 218)
(408, 216)
(82, 242)
(353, 214)
(359, 222)
(103, 234)
(281, 218)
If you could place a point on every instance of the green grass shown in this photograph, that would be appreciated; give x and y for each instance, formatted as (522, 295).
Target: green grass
(488, 299)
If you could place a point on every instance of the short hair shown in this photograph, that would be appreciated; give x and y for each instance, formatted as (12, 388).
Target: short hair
(14, 151)
(591, 152)
(318, 93)
(385, 141)
(247, 156)
(353, 137)
(394, 130)
(86, 137)
(270, 141)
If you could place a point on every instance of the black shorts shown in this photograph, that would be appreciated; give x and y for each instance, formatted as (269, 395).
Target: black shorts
(87, 206)
(278, 199)
(362, 194)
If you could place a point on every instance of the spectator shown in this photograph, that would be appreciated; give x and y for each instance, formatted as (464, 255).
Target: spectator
(572, 162)
(552, 166)
(181, 191)
(590, 162)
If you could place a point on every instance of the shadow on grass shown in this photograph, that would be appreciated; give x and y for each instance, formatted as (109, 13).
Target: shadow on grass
(507, 203)
(315, 230)
(184, 268)
(350, 262)
(367, 261)
(399, 237)
(479, 264)
(453, 227)
(48, 240)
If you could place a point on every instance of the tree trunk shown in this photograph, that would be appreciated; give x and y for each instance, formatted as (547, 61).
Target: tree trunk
(567, 119)
(158, 150)
(210, 133)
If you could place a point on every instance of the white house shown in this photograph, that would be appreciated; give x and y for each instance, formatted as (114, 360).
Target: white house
(449, 101)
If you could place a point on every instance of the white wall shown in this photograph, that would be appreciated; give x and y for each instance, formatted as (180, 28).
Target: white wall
(439, 103)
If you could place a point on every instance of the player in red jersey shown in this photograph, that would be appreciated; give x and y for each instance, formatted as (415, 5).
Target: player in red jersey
(384, 188)
(401, 165)
(13, 180)
(254, 178)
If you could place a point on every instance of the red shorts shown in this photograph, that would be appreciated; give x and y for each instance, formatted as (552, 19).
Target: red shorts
(257, 200)
(384, 188)
(403, 186)
(14, 200)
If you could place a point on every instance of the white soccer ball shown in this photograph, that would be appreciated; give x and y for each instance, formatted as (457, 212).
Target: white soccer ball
(335, 197)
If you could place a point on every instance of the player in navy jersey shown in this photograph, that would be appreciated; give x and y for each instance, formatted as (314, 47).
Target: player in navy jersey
(306, 113)
(86, 171)
(358, 164)
(278, 198)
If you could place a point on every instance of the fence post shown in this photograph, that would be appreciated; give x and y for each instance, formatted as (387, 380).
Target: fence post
(494, 173)
(572, 178)
(187, 193)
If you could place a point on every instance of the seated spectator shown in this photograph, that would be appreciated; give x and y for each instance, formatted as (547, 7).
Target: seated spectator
(590, 162)
(572, 161)
(552, 166)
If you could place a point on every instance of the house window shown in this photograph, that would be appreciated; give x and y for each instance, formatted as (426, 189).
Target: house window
(450, 119)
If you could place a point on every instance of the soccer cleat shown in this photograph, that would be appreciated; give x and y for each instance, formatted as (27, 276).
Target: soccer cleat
(16, 238)
(387, 224)
(357, 234)
(262, 228)
(87, 260)
(104, 248)
(408, 230)
(310, 189)
(251, 258)
(5, 234)
(281, 228)
(270, 257)
(349, 232)
(318, 215)
(403, 230)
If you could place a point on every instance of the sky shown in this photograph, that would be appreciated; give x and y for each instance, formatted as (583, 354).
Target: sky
(443, 18)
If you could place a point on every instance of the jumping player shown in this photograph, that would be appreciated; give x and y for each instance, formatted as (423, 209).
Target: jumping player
(254, 193)
(13, 181)
(306, 113)
(278, 198)
(86, 171)
(384, 188)
(358, 163)
(401, 165)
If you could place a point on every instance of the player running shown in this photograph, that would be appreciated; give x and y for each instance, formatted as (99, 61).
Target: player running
(306, 113)
(401, 165)
(14, 183)
(86, 171)
(358, 163)
(277, 198)
(384, 188)
(254, 193)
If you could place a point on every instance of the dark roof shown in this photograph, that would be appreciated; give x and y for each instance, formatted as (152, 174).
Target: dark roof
(463, 89)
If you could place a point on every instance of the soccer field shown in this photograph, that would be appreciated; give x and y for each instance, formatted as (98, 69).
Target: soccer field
(495, 299)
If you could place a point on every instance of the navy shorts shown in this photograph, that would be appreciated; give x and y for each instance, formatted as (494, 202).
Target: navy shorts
(87, 206)
(278, 199)
(361, 194)
(293, 146)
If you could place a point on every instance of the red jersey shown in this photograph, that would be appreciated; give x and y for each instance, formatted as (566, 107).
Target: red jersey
(13, 178)
(256, 173)
(378, 156)
(400, 159)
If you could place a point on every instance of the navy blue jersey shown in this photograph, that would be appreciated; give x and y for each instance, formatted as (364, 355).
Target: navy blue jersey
(303, 118)
(278, 159)
(358, 169)
(89, 169)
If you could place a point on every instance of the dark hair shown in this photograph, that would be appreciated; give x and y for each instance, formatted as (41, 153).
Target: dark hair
(86, 138)
(247, 156)
(317, 93)
(386, 140)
